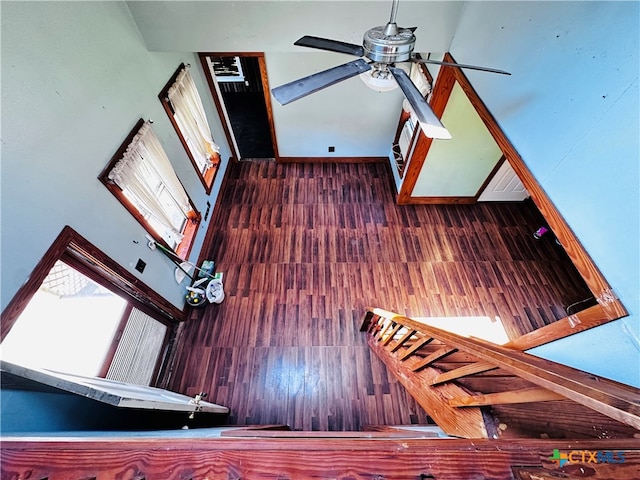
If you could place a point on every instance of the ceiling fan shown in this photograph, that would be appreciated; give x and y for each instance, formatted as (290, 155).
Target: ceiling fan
(383, 47)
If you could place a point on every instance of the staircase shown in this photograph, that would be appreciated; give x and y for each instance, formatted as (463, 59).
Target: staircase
(476, 389)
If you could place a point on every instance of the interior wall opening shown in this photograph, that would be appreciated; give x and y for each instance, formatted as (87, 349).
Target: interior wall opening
(593, 309)
(240, 90)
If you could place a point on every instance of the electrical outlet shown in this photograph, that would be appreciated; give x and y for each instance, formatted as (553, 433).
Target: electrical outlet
(332, 149)
(140, 265)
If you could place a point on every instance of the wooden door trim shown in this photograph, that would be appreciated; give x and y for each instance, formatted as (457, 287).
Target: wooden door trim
(70, 243)
(610, 307)
(439, 99)
(266, 90)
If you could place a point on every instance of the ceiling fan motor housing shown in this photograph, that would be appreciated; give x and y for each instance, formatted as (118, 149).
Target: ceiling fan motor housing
(388, 45)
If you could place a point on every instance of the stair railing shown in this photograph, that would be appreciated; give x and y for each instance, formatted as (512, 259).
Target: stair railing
(398, 341)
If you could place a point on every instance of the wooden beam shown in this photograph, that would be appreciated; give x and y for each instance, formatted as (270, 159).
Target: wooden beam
(525, 395)
(403, 339)
(386, 324)
(578, 322)
(294, 458)
(415, 347)
(465, 371)
(428, 360)
(392, 334)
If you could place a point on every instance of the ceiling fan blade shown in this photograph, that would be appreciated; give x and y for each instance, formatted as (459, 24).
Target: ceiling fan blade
(302, 87)
(428, 121)
(330, 45)
(460, 65)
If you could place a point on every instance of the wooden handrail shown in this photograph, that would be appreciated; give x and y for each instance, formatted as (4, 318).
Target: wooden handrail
(618, 401)
(309, 455)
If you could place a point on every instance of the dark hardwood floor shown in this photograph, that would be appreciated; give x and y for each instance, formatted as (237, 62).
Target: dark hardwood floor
(305, 248)
(250, 123)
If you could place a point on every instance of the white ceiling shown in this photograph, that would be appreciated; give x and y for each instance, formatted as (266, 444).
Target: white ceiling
(273, 25)
(357, 121)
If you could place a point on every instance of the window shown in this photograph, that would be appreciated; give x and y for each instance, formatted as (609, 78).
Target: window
(228, 69)
(141, 176)
(182, 102)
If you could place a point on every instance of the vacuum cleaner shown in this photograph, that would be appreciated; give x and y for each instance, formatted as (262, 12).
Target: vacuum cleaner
(198, 293)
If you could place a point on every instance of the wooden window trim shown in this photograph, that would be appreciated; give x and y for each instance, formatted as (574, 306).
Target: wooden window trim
(210, 174)
(184, 247)
(609, 307)
(71, 245)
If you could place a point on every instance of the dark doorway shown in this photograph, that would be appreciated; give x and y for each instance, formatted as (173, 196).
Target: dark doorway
(241, 90)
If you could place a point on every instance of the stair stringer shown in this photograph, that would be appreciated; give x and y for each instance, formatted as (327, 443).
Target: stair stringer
(466, 422)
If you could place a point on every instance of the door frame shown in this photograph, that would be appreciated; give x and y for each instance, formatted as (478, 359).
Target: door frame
(222, 111)
(81, 254)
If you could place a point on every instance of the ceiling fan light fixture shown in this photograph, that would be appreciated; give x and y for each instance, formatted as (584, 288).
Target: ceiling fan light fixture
(377, 83)
(389, 60)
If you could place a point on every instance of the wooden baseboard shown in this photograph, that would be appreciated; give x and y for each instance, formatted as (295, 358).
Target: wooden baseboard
(332, 159)
(436, 200)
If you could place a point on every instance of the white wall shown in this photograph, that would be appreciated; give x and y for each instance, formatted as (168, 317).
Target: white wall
(459, 166)
(76, 77)
(571, 110)
(336, 116)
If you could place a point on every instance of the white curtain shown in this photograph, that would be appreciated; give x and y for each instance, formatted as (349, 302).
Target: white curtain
(138, 173)
(191, 119)
(421, 82)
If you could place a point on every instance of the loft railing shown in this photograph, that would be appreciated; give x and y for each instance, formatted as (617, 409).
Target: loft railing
(411, 349)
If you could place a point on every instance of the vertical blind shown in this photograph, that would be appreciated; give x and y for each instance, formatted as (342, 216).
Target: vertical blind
(138, 350)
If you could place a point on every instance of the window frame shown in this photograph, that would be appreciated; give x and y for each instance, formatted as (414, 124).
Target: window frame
(208, 176)
(184, 247)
